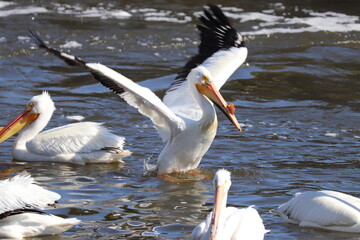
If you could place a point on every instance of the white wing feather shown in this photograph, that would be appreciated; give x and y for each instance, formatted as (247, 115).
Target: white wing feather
(82, 137)
(31, 224)
(224, 63)
(182, 102)
(143, 99)
(21, 191)
(221, 65)
(244, 223)
(200, 230)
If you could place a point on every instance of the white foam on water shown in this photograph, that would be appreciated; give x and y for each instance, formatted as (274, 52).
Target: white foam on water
(265, 22)
(178, 39)
(5, 4)
(75, 118)
(168, 19)
(164, 16)
(71, 44)
(328, 134)
(92, 12)
(24, 39)
(233, 9)
(229, 11)
(269, 23)
(104, 14)
(22, 11)
(157, 14)
(143, 10)
(245, 125)
(278, 6)
(255, 16)
(2, 39)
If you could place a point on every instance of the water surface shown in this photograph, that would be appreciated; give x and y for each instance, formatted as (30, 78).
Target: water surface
(297, 97)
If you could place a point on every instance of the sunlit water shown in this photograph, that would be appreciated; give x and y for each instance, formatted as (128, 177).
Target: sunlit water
(297, 97)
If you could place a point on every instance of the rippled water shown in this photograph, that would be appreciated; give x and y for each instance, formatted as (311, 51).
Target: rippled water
(298, 97)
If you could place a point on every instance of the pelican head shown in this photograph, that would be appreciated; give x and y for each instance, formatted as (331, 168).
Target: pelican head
(222, 183)
(222, 179)
(40, 106)
(201, 77)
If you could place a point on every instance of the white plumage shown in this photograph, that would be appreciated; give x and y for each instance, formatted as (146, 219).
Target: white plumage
(229, 223)
(329, 210)
(19, 195)
(80, 143)
(32, 224)
(220, 65)
(186, 140)
(144, 100)
(21, 191)
(185, 120)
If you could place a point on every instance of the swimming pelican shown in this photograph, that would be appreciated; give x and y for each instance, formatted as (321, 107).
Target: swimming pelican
(229, 222)
(80, 143)
(19, 196)
(186, 119)
(329, 210)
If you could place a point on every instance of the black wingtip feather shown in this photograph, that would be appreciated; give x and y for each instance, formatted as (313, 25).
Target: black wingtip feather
(216, 33)
(70, 60)
(105, 81)
(34, 35)
(76, 61)
(219, 14)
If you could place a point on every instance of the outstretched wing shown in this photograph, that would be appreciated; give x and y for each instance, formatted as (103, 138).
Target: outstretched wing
(216, 34)
(221, 51)
(21, 191)
(82, 137)
(143, 99)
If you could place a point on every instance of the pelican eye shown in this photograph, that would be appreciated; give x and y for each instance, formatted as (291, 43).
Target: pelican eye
(30, 106)
(205, 79)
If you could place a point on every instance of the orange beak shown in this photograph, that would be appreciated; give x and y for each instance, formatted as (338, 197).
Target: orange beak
(219, 199)
(22, 120)
(210, 91)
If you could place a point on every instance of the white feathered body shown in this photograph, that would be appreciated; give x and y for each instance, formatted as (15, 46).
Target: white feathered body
(229, 223)
(185, 150)
(79, 143)
(32, 224)
(21, 191)
(236, 224)
(186, 139)
(329, 210)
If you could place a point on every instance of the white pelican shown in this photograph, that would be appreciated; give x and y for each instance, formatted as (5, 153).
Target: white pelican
(19, 196)
(329, 210)
(228, 223)
(80, 143)
(186, 119)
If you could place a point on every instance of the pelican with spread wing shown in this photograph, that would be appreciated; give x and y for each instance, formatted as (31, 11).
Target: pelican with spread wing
(186, 119)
